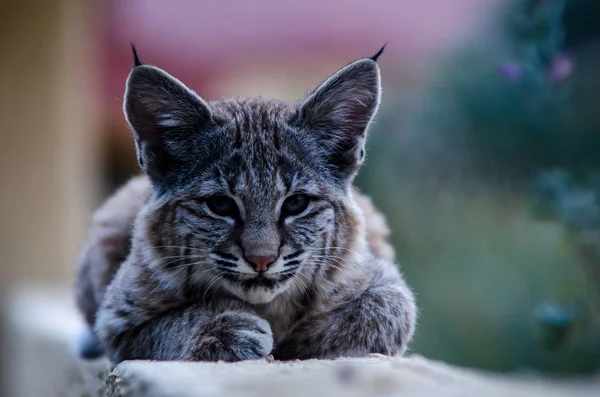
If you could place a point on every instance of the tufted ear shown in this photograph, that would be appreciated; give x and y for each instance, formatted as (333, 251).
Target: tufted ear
(164, 115)
(339, 111)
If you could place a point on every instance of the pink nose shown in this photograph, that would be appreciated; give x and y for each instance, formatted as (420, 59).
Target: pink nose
(261, 263)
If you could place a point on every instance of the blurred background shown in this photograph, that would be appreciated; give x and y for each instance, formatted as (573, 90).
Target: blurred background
(484, 156)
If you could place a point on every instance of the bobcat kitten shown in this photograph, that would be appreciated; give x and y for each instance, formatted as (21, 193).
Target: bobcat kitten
(245, 237)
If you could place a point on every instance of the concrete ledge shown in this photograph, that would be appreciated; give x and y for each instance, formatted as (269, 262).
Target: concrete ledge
(41, 322)
(371, 376)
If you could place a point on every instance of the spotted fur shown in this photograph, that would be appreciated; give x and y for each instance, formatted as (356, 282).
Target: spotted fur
(188, 288)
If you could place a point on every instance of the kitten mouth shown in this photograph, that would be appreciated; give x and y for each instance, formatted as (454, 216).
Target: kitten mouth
(259, 280)
(257, 288)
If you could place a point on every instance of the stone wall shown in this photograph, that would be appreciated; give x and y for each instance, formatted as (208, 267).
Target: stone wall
(41, 324)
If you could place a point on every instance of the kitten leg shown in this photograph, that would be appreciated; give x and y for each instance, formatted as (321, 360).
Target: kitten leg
(141, 319)
(380, 319)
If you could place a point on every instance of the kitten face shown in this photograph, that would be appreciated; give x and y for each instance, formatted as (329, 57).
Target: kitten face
(252, 194)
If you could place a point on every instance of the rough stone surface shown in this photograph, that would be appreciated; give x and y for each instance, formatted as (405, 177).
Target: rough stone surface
(371, 376)
(40, 324)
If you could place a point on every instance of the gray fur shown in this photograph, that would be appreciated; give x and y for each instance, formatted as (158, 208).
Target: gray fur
(187, 289)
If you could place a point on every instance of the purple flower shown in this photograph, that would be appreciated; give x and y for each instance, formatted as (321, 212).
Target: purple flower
(561, 68)
(511, 71)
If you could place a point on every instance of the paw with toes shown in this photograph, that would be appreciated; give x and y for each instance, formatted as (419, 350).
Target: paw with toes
(233, 336)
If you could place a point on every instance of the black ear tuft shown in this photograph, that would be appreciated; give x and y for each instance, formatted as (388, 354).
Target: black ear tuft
(376, 56)
(136, 59)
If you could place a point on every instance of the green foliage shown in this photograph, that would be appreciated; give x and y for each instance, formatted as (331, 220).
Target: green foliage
(489, 187)
(512, 106)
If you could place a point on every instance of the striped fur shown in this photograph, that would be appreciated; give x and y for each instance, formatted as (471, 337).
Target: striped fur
(187, 288)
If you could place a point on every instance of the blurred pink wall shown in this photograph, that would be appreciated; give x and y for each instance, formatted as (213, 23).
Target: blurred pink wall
(204, 42)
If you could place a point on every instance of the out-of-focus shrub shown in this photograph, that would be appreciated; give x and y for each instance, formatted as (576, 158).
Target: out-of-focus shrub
(465, 169)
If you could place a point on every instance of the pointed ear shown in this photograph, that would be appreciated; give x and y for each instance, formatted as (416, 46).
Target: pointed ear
(339, 112)
(164, 115)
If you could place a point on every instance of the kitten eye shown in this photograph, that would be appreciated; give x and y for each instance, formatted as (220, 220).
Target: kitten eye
(222, 206)
(294, 205)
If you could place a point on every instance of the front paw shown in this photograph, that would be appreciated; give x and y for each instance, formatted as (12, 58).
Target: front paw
(233, 336)
(381, 320)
